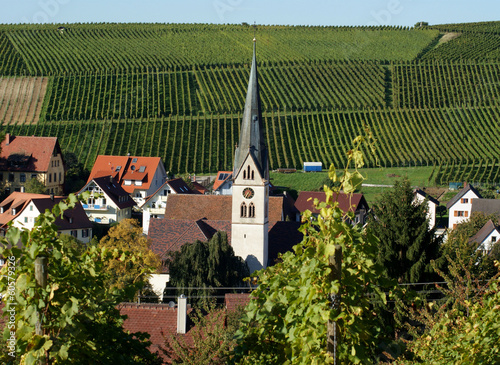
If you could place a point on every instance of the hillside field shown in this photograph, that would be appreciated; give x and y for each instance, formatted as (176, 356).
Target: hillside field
(430, 96)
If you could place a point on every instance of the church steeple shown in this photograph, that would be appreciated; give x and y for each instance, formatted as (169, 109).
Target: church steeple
(250, 203)
(252, 128)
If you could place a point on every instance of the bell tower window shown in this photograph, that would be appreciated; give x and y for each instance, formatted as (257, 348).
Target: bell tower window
(248, 174)
(243, 210)
(251, 211)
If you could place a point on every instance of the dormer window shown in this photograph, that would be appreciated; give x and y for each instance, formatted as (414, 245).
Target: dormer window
(70, 219)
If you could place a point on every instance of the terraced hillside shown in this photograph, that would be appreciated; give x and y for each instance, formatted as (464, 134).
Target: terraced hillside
(429, 95)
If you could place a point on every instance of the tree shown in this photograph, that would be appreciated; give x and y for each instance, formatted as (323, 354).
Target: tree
(459, 247)
(464, 329)
(286, 319)
(35, 186)
(211, 341)
(127, 236)
(76, 173)
(73, 319)
(208, 265)
(407, 245)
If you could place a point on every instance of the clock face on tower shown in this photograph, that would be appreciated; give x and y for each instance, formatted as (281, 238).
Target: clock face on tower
(248, 193)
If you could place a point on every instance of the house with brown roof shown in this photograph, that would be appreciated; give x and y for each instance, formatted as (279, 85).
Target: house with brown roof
(138, 176)
(163, 321)
(347, 203)
(155, 204)
(108, 201)
(486, 237)
(223, 183)
(460, 206)
(22, 209)
(25, 158)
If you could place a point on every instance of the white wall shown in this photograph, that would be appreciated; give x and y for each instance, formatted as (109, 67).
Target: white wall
(460, 206)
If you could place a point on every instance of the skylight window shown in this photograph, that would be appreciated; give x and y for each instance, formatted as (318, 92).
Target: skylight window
(118, 168)
(134, 160)
(142, 169)
(223, 176)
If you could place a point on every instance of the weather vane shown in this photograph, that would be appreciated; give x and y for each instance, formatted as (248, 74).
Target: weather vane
(254, 29)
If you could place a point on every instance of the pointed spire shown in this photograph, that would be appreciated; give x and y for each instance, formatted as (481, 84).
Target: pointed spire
(252, 128)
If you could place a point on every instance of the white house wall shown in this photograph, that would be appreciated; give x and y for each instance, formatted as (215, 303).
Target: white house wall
(431, 210)
(459, 207)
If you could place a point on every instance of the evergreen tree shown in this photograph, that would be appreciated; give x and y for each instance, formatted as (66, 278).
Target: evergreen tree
(206, 265)
(407, 245)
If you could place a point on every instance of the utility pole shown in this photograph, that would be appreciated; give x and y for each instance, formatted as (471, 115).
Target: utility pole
(335, 264)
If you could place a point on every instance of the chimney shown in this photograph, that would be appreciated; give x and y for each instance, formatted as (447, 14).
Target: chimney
(52, 196)
(181, 314)
(7, 139)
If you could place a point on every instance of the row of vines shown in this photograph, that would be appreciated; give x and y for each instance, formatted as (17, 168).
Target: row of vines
(300, 87)
(200, 143)
(49, 51)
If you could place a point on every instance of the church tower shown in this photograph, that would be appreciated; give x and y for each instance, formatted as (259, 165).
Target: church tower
(250, 208)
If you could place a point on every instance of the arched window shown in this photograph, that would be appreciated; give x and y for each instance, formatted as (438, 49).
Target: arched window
(245, 174)
(243, 210)
(251, 211)
(252, 176)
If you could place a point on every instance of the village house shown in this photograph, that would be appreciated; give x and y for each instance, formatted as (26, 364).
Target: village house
(347, 203)
(460, 207)
(108, 201)
(432, 204)
(22, 209)
(223, 183)
(486, 237)
(25, 158)
(155, 204)
(138, 176)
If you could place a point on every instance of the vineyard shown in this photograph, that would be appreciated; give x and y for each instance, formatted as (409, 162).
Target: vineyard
(177, 91)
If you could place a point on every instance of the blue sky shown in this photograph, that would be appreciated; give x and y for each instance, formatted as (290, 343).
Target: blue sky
(293, 12)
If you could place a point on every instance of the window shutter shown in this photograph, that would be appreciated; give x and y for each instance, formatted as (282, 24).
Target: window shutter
(456, 213)
(466, 213)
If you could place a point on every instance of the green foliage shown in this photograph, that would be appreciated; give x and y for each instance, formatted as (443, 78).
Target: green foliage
(211, 342)
(458, 246)
(407, 245)
(127, 237)
(76, 174)
(80, 323)
(286, 319)
(35, 186)
(463, 329)
(207, 265)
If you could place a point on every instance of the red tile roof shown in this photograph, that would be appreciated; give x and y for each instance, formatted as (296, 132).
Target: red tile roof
(346, 202)
(213, 207)
(221, 177)
(170, 234)
(124, 168)
(20, 201)
(234, 302)
(36, 151)
(159, 320)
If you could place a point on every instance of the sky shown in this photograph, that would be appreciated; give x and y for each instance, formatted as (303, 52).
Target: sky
(284, 12)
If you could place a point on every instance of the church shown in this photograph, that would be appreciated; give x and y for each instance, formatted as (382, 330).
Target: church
(258, 225)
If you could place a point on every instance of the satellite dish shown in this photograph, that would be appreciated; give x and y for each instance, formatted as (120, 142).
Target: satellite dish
(171, 304)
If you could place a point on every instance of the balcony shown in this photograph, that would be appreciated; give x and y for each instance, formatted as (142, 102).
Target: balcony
(94, 207)
(156, 210)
